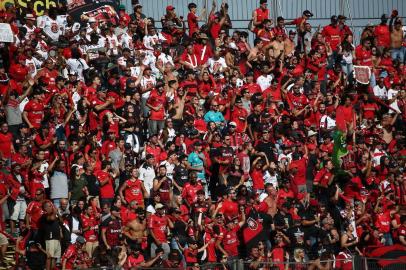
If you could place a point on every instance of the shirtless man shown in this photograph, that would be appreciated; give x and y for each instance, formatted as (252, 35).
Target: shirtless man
(136, 230)
(277, 47)
(271, 199)
(290, 43)
(396, 37)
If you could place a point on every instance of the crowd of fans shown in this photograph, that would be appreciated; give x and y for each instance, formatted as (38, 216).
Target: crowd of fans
(126, 145)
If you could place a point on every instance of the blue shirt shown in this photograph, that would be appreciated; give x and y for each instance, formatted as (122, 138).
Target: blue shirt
(212, 116)
(195, 161)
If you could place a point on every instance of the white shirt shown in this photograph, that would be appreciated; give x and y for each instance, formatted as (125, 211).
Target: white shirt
(264, 81)
(77, 65)
(327, 122)
(147, 82)
(33, 65)
(150, 41)
(380, 92)
(147, 175)
(391, 94)
(52, 29)
(126, 41)
(219, 64)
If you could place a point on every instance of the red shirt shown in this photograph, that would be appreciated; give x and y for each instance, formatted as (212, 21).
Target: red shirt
(132, 261)
(133, 191)
(257, 177)
(34, 209)
(35, 112)
(231, 242)
(189, 192)
(107, 147)
(106, 191)
(229, 208)
(323, 177)
(190, 255)
(297, 101)
(383, 222)
(155, 99)
(363, 56)
(369, 110)
(70, 256)
(202, 52)
(332, 35)
(192, 21)
(158, 226)
(344, 115)
(91, 234)
(382, 35)
(6, 141)
(300, 176)
(262, 14)
(215, 30)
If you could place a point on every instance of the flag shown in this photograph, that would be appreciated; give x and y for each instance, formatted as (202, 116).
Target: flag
(390, 257)
(339, 149)
(253, 232)
(362, 74)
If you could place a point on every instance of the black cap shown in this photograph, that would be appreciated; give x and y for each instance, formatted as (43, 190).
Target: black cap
(192, 5)
(307, 13)
(263, 1)
(334, 18)
(341, 17)
(384, 17)
(148, 156)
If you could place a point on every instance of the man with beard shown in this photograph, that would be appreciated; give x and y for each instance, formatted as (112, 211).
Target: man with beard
(200, 206)
(180, 174)
(163, 185)
(158, 226)
(133, 189)
(136, 231)
(111, 231)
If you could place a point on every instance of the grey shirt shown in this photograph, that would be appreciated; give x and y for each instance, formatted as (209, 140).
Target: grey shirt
(59, 185)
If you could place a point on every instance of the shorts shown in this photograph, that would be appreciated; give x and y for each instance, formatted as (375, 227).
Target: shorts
(53, 247)
(19, 211)
(3, 240)
(90, 247)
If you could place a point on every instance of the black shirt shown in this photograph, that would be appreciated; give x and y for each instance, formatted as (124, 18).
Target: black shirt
(93, 185)
(267, 148)
(50, 229)
(180, 175)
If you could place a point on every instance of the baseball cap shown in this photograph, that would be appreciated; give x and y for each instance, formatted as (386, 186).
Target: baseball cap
(233, 124)
(307, 13)
(311, 133)
(159, 206)
(170, 8)
(80, 240)
(342, 17)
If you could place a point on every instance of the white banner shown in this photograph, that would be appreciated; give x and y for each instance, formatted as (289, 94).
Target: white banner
(362, 74)
(6, 34)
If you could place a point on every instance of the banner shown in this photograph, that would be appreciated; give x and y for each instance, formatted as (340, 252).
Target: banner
(6, 34)
(101, 10)
(39, 5)
(362, 74)
(75, 7)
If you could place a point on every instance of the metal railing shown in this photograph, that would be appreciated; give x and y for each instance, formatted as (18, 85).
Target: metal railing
(357, 263)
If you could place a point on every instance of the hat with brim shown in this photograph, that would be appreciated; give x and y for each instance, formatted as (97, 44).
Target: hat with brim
(311, 133)
(30, 17)
(159, 206)
(203, 36)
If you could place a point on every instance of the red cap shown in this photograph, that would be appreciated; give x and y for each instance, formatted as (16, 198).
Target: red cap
(170, 8)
